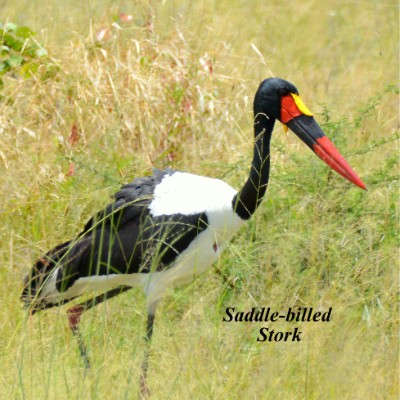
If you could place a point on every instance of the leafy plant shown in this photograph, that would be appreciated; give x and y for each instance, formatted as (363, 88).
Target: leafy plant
(19, 52)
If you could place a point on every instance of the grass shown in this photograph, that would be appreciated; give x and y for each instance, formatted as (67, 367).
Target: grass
(174, 88)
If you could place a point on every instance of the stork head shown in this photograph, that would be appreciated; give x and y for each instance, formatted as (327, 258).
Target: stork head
(278, 99)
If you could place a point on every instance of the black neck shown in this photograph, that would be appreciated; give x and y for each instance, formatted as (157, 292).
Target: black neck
(249, 197)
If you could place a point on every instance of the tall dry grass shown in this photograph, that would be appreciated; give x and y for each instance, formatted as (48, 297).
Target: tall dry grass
(173, 87)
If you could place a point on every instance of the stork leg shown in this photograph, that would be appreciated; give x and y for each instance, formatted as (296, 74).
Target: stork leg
(144, 390)
(74, 315)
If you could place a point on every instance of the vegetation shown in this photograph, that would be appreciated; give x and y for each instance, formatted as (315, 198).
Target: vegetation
(136, 85)
(19, 52)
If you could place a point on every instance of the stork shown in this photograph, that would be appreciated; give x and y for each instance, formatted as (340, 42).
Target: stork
(163, 230)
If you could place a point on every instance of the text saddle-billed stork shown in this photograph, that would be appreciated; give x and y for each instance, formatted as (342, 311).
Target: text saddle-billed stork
(165, 229)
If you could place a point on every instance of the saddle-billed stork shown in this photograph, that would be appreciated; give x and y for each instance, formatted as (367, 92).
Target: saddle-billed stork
(165, 229)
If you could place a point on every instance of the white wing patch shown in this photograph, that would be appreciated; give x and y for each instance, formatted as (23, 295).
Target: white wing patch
(188, 194)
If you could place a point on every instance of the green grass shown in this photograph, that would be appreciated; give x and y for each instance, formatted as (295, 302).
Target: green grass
(145, 98)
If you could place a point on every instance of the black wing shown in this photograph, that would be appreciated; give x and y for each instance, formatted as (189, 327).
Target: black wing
(123, 238)
(72, 256)
(130, 201)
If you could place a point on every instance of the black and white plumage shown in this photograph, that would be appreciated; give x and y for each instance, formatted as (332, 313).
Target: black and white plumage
(160, 231)
(165, 229)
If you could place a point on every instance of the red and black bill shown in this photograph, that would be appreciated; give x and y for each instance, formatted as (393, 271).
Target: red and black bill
(296, 116)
